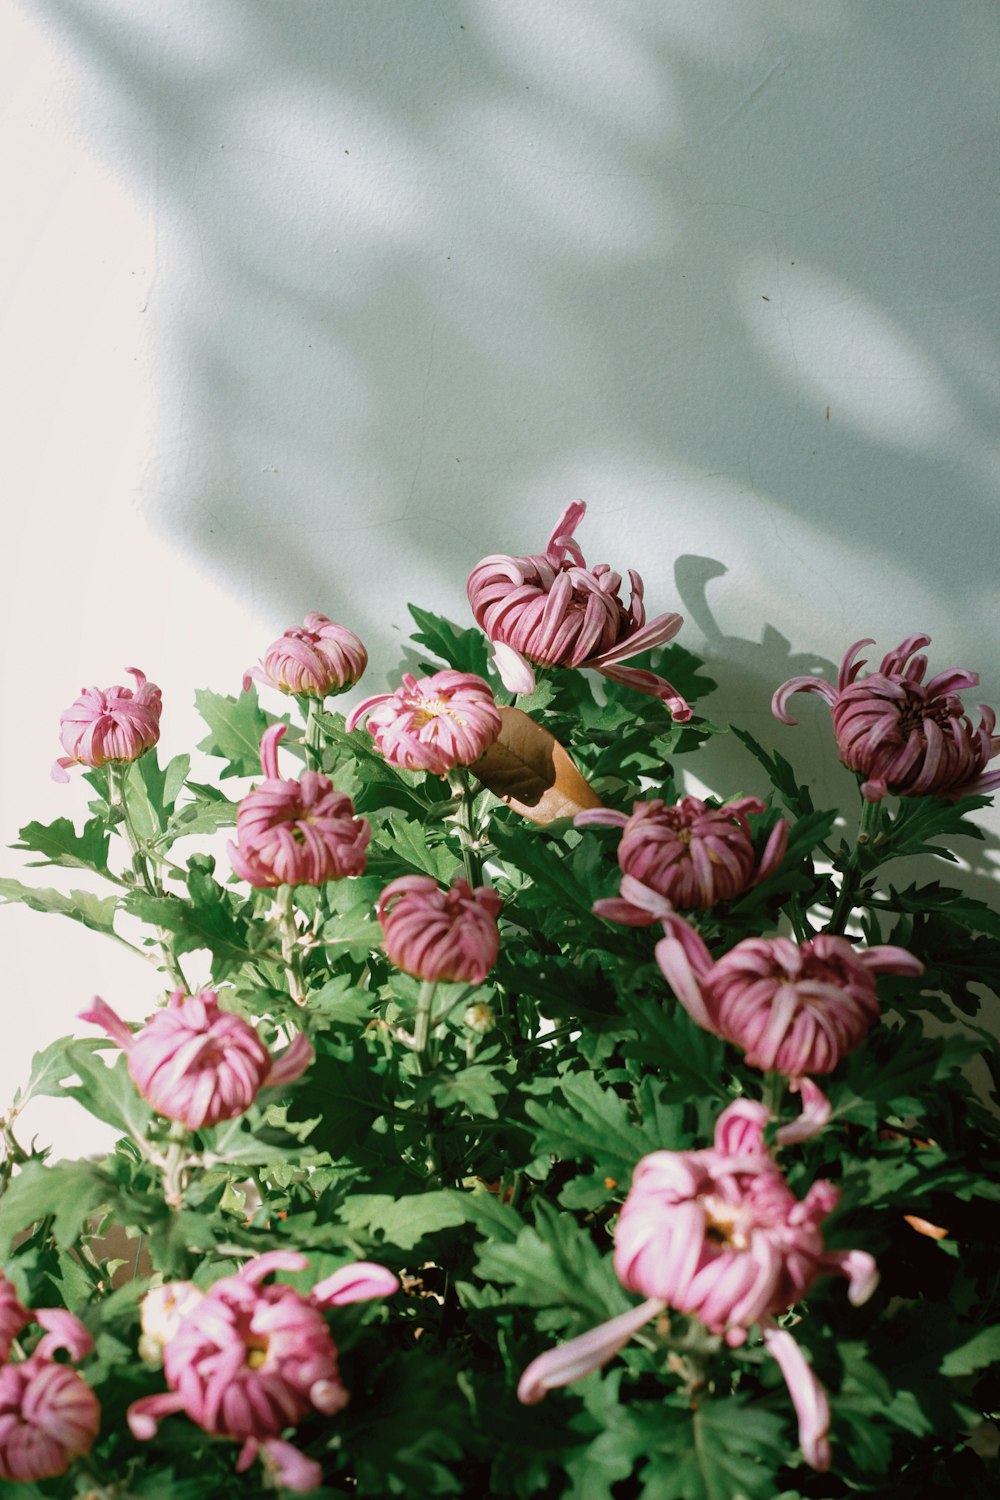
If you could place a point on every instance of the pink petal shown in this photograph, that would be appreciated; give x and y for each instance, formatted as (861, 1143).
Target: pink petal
(568, 1362)
(515, 673)
(356, 1283)
(808, 1397)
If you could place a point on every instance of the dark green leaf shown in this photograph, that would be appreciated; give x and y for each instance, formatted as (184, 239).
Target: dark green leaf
(237, 726)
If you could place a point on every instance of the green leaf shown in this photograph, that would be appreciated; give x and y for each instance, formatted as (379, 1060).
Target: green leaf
(722, 1451)
(555, 1265)
(465, 650)
(545, 862)
(60, 844)
(96, 912)
(210, 811)
(407, 842)
(107, 1093)
(68, 1192)
(594, 1125)
(48, 1068)
(237, 726)
(977, 1353)
(920, 819)
(403, 1222)
(796, 798)
(477, 1087)
(210, 924)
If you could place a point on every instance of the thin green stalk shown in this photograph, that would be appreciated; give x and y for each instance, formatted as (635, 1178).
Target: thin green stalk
(314, 736)
(422, 1025)
(140, 864)
(859, 862)
(465, 821)
(291, 952)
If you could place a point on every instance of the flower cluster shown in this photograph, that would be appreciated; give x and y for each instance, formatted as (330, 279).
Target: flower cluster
(432, 723)
(689, 856)
(296, 832)
(550, 609)
(248, 1360)
(719, 1234)
(198, 1064)
(112, 725)
(900, 733)
(317, 659)
(48, 1413)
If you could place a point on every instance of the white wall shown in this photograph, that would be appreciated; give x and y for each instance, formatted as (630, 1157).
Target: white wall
(310, 305)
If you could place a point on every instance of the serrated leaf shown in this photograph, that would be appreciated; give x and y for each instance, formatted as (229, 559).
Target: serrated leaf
(545, 863)
(236, 728)
(920, 819)
(795, 797)
(48, 1068)
(723, 1450)
(96, 912)
(981, 1350)
(594, 1124)
(464, 649)
(68, 1192)
(403, 1222)
(106, 1092)
(60, 844)
(477, 1087)
(211, 925)
(528, 769)
(556, 1265)
(407, 841)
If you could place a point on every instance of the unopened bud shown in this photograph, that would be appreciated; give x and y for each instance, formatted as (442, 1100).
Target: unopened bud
(480, 1018)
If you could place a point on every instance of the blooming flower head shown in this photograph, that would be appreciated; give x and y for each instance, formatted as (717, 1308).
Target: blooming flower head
(114, 724)
(198, 1064)
(794, 1008)
(48, 1414)
(300, 832)
(686, 856)
(247, 1361)
(902, 734)
(13, 1316)
(718, 1234)
(436, 934)
(432, 723)
(317, 659)
(550, 609)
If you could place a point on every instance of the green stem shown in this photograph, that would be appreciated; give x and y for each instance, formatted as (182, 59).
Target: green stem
(774, 1094)
(291, 953)
(117, 797)
(314, 736)
(422, 1025)
(860, 862)
(461, 785)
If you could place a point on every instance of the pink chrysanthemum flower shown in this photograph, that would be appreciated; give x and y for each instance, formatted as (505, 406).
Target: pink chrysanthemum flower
(550, 609)
(247, 1361)
(301, 832)
(689, 856)
(440, 935)
(432, 723)
(48, 1414)
(719, 1235)
(797, 1009)
(902, 734)
(198, 1064)
(114, 724)
(315, 660)
(13, 1316)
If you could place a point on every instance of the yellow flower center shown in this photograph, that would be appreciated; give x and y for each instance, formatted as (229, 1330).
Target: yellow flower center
(434, 708)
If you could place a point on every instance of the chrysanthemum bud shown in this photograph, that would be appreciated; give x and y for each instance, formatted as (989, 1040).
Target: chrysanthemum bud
(316, 660)
(550, 609)
(198, 1064)
(902, 734)
(432, 723)
(300, 832)
(440, 935)
(112, 725)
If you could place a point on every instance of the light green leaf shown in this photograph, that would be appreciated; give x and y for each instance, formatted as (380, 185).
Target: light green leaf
(96, 912)
(237, 726)
(403, 1222)
(60, 844)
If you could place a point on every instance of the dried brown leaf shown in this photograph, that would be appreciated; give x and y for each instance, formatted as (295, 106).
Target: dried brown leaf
(527, 768)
